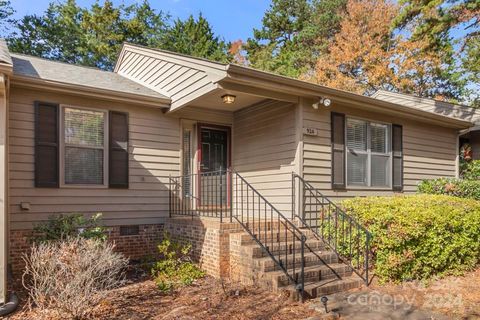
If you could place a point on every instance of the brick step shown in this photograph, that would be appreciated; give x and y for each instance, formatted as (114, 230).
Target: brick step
(318, 258)
(328, 286)
(281, 247)
(275, 225)
(277, 236)
(312, 274)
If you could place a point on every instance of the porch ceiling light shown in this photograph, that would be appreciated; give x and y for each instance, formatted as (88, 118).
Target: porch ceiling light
(228, 98)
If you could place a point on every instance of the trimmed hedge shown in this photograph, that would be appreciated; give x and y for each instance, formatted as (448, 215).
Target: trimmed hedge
(450, 186)
(420, 236)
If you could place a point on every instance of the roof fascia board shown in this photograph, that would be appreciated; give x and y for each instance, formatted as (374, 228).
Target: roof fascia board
(34, 83)
(256, 91)
(6, 68)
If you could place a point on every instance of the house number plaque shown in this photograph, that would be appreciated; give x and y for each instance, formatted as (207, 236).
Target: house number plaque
(310, 131)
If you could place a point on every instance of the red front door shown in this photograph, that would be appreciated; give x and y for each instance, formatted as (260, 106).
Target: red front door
(214, 147)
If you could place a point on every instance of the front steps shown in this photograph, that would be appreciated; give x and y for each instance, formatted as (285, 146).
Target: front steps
(324, 273)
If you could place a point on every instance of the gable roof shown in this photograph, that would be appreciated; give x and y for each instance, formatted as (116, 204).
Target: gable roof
(34, 69)
(186, 79)
(447, 109)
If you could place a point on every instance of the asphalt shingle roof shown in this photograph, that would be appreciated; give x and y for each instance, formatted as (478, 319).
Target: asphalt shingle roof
(34, 67)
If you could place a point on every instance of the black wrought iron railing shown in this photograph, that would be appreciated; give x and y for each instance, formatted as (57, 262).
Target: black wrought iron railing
(225, 194)
(273, 232)
(340, 231)
(206, 194)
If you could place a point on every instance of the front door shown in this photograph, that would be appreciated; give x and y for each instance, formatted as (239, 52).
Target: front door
(214, 144)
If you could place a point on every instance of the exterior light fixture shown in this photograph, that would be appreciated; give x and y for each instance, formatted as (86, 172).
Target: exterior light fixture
(322, 101)
(228, 98)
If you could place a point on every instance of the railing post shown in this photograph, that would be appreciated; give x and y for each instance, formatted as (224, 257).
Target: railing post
(169, 195)
(221, 195)
(302, 271)
(367, 250)
(230, 175)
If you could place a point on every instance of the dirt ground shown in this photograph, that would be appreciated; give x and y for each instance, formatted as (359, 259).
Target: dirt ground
(454, 297)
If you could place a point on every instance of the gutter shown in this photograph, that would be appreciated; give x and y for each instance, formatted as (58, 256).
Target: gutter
(49, 85)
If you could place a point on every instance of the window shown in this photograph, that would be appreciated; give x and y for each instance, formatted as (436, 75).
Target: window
(368, 153)
(84, 146)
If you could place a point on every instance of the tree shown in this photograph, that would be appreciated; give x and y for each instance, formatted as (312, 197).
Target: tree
(93, 36)
(440, 21)
(6, 11)
(277, 46)
(195, 37)
(366, 55)
(294, 33)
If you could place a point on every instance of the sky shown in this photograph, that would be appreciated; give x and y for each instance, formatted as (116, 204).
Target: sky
(231, 20)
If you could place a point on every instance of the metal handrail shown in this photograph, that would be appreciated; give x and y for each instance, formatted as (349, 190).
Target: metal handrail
(339, 230)
(267, 226)
(249, 210)
(207, 194)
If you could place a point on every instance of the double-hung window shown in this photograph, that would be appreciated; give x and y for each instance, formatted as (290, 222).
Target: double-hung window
(369, 157)
(84, 149)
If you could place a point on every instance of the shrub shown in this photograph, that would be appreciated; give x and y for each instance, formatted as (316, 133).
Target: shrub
(175, 267)
(73, 275)
(449, 186)
(420, 236)
(470, 170)
(62, 227)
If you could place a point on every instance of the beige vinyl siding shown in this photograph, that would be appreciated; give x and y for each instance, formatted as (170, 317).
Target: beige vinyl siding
(429, 151)
(177, 77)
(154, 155)
(264, 149)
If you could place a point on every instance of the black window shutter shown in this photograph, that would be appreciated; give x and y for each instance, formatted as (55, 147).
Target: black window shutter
(338, 150)
(118, 150)
(397, 150)
(46, 145)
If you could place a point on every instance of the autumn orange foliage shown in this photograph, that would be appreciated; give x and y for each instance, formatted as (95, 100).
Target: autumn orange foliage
(366, 55)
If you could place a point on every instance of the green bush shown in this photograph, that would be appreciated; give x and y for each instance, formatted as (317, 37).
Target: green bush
(62, 227)
(450, 186)
(420, 236)
(176, 267)
(470, 170)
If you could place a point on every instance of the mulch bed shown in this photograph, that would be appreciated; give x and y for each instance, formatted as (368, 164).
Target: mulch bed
(456, 297)
(206, 299)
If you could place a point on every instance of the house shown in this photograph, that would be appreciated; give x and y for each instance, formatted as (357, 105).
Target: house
(240, 162)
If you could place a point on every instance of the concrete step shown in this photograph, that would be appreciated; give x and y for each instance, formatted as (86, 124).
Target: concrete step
(330, 286)
(316, 258)
(312, 274)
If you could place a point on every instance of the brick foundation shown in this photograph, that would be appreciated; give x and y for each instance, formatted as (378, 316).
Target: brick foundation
(210, 241)
(133, 246)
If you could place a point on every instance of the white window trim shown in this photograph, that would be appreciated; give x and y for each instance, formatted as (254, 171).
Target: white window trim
(369, 154)
(62, 148)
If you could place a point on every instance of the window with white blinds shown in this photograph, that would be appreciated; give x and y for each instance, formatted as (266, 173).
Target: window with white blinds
(369, 154)
(84, 152)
